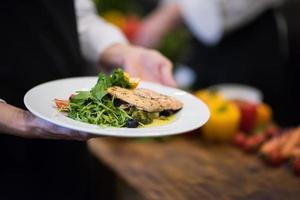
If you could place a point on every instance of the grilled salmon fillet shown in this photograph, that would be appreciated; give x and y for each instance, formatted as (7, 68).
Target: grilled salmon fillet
(144, 99)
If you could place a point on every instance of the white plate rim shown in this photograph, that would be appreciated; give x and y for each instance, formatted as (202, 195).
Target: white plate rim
(189, 110)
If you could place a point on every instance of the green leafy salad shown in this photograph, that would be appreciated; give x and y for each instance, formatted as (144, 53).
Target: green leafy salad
(100, 108)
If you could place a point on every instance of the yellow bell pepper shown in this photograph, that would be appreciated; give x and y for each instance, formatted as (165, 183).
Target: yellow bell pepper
(223, 123)
(211, 98)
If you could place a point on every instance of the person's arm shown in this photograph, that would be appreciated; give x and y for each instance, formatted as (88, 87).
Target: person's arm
(95, 34)
(157, 24)
(209, 20)
(102, 42)
(18, 122)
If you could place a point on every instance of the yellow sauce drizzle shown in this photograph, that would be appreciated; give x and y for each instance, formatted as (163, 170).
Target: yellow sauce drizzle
(161, 122)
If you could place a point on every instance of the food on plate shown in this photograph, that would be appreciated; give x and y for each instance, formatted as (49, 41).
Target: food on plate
(144, 99)
(115, 101)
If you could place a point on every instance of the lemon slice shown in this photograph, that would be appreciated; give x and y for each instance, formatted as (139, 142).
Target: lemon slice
(134, 82)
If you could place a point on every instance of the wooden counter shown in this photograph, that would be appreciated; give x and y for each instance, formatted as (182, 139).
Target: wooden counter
(183, 168)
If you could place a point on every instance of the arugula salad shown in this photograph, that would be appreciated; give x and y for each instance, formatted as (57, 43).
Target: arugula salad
(102, 108)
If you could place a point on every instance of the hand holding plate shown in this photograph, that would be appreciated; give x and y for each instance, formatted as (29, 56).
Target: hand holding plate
(18, 122)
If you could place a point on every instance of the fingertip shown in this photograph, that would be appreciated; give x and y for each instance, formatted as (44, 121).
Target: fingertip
(171, 83)
(167, 75)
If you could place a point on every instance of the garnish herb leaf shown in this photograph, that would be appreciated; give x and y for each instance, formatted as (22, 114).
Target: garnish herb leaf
(81, 96)
(118, 79)
(99, 90)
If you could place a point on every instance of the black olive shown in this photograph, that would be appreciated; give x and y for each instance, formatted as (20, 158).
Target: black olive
(119, 102)
(166, 113)
(132, 123)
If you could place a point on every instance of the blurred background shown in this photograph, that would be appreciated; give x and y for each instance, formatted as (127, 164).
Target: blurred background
(238, 56)
(255, 44)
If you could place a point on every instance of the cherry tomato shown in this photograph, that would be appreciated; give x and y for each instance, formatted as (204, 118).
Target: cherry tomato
(62, 104)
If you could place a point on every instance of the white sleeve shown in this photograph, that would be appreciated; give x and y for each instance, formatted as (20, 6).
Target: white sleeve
(95, 34)
(209, 20)
(237, 13)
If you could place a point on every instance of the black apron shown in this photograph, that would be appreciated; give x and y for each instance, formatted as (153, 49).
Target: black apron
(39, 42)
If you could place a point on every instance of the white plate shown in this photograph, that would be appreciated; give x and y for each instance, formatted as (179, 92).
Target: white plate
(40, 101)
(239, 91)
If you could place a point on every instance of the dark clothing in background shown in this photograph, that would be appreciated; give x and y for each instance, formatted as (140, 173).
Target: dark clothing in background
(291, 13)
(39, 42)
(255, 55)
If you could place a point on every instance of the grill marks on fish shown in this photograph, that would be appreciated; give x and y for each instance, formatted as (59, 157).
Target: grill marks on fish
(145, 99)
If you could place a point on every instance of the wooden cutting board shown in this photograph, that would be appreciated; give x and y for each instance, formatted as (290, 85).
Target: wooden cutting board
(185, 168)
